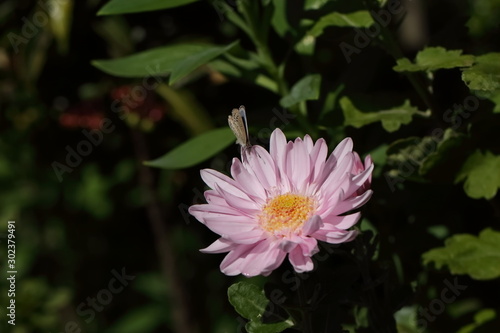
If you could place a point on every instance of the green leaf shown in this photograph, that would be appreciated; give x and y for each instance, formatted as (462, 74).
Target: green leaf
(434, 58)
(481, 173)
(158, 61)
(445, 151)
(391, 119)
(185, 108)
(307, 43)
(478, 257)
(250, 302)
(115, 7)
(359, 19)
(195, 150)
(305, 89)
(195, 60)
(484, 74)
(177, 60)
(481, 317)
(279, 19)
(314, 4)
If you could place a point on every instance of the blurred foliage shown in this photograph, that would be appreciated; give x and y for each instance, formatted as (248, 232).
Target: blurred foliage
(87, 96)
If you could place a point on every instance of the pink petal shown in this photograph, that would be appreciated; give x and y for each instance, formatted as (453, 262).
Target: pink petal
(219, 246)
(298, 165)
(248, 181)
(300, 262)
(245, 206)
(359, 181)
(212, 177)
(309, 246)
(214, 198)
(336, 178)
(340, 222)
(308, 143)
(230, 265)
(336, 236)
(277, 148)
(264, 255)
(352, 203)
(247, 237)
(262, 165)
(311, 225)
(220, 220)
(318, 157)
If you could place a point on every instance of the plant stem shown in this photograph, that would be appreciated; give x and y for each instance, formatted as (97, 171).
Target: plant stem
(303, 303)
(180, 310)
(394, 50)
(259, 38)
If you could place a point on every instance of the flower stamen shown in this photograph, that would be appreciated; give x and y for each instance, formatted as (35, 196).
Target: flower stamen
(286, 213)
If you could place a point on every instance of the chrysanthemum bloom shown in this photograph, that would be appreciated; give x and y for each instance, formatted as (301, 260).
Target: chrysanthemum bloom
(282, 202)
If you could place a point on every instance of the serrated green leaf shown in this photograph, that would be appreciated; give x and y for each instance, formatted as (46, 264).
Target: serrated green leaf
(451, 142)
(484, 74)
(359, 19)
(115, 7)
(478, 257)
(305, 89)
(481, 173)
(250, 302)
(257, 327)
(391, 119)
(434, 58)
(195, 150)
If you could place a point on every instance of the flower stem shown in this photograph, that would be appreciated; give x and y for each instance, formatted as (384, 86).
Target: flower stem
(258, 33)
(303, 303)
(392, 47)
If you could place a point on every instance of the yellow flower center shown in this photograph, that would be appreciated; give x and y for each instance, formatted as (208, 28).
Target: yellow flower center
(286, 213)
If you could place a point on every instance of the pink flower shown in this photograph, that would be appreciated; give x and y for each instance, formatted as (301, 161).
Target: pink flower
(282, 202)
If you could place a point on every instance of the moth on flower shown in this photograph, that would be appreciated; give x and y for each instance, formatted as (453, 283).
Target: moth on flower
(237, 121)
(280, 202)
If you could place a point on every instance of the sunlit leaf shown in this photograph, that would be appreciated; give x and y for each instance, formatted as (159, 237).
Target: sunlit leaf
(481, 317)
(391, 119)
(359, 19)
(314, 4)
(61, 15)
(195, 150)
(478, 257)
(484, 74)
(481, 173)
(305, 89)
(158, 61)
(176, 60)
(250, 302)
(193, 61)
(115, 7)
(186, 109)
(434, 58)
